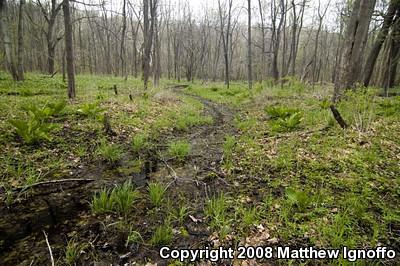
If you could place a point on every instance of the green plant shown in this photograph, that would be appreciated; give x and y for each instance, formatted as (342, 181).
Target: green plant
(189, 118)
(32, 130)
(179, 149)
(109, 151)
(72, 252)
(101, 202)
(325, 104)
(228, 148)
(9, 197)
(181, 214)
(156, 193)
(249, 216)
(298, 198)
(139, 142)
(90, 109)
(32, 176)
(120, 200)
(49, 109)
(363, 109)
(339, 232)
(216, 206)
(216, 210)
(133, 237)
(390, 107)
(163, 235)
(282, 112)
(291, 122)
(287, 124)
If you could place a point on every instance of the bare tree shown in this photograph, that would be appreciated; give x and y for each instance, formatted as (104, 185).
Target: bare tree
(394, 7)
(69, 49)
(391, 55)
(20, 51)
(225, 28)
(317, 35)
(123, 37)
(276, 33)
(51, 39)
(10, 58)
(353, 45)
(149, 12)
(263, 44)
(157, 50)
(249, 59)
(297, 25)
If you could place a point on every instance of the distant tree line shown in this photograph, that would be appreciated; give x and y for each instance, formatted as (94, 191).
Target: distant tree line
(246, 40)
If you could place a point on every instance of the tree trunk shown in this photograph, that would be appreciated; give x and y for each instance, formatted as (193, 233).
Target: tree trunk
(391, 58)
(148, 29)
(249, 64)
(373, 55)
(263, 46)
(355, 37)
(69, 50)
(10, 60)
(157, 52)
(20, 51)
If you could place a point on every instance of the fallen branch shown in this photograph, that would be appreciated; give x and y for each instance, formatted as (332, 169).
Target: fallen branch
(48, 245)
(338, 117)
(54, 182)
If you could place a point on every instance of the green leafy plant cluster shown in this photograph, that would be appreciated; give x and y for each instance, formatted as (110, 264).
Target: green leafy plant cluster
(179, 149)
(156, 193)
(163, 235)
(276, 112)
(32, 130)
(139, 142)
(134, 237)
(110, 152)
(284, 119)
(228, 148)
(289, 123)
(35, 127)
(216, 209)
(49, 109)
(90, 109)
(298, 198)
(390, 107)
(72, 252)
(190, 118)
(119, 200)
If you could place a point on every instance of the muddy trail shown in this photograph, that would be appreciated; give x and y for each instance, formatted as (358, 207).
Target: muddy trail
(62, 209)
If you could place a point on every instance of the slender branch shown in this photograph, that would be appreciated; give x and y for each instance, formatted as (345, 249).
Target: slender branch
(48, 245)
(54, 182)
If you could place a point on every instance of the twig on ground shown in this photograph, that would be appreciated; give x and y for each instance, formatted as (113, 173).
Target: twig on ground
(48, 245)
(83, 180)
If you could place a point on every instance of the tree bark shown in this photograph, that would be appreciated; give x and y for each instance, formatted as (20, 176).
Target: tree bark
(148, 30)
(355, 37)
(10, 59)
(388, 69)
(157, 51)
(373, 55)
(225, 34)
(69, 50)
(20, 51)
(249, 59)
(122, 47)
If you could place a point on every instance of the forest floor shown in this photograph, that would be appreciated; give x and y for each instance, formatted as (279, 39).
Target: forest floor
(192, 165)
